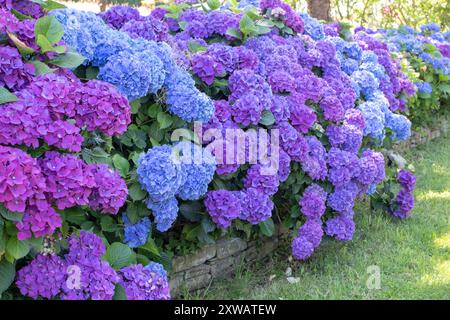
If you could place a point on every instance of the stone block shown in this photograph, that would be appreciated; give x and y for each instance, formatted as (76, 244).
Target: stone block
(197, 258)
(198, 282)
(197, 271)
(228, 247)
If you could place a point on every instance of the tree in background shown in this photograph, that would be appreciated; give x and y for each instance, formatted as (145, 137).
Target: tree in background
(319, 9)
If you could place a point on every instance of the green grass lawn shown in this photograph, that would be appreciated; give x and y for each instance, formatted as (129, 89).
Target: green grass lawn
(413, 256)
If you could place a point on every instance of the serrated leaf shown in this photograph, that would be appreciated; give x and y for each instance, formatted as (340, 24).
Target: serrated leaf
(234, 33)
(17, 248)
(69, 59)
(136, 193)
(49, 27)
(7, 275)
(119, 293)
(121, 164)
(41, 68)
(267, 118)
(20, 45)
(119, 255)
(164, 120)
(267, 227)
(6, 96)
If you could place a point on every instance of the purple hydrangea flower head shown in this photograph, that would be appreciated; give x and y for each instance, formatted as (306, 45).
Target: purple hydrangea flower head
(312, 231)
(102, 108)
(405, 203)
(204, 66)
(340, 227)
(292, 142)
(406, 179)
(117, 16)
(313, 202)
(264, 183)
(315, 163)
(256, 206)
(223, 206)
(110, 191)
(302, 249)
(141, 283)
(343, 198)
(42, 277)
(222, 110)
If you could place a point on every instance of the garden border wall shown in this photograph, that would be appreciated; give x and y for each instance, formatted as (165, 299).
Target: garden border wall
(221, 259)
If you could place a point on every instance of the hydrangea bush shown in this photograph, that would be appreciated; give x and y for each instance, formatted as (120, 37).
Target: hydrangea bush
(98, 195)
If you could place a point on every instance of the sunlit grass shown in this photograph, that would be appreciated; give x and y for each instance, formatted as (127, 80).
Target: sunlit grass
(413, 256)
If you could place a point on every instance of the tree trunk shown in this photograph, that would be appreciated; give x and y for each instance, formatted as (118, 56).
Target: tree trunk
(319, 9)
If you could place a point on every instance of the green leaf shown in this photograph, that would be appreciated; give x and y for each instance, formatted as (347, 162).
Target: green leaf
(121, 164)
(267, 227)
(91, 72)
(213, 4)
(7, 275)
(119, 255)
(267, 118)
(49, 5)
(6, 96)
(191, 211)
(20, 15)
(108, 224)
(195, 47)
(151, 247)
(445, 87)
(9, 215)
(234, 33)
(41, 68)
(164, 120)
(69, 59)
(208, 225)
(119, 293)
(43, 43)
(75, 215)
(136, 193)
(246, 25)
(17, 248)
(49, 27)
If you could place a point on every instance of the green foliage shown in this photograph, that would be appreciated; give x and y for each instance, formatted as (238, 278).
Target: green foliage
(6, 96)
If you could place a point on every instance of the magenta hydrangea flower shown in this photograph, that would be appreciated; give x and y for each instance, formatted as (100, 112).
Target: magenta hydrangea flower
(21, 179)
(70, 180)
(110, 191)
(223, 207)
(39, 222)
(117, 16)
(302, 117)
(102, 108)
(64, 135)
(14, 73)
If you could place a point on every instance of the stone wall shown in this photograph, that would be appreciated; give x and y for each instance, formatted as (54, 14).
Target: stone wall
(220, 260)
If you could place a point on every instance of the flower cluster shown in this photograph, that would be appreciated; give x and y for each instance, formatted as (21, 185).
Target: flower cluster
(136, 234)
(81, 274)
(184, 170)
(404, 201)
(129, 57)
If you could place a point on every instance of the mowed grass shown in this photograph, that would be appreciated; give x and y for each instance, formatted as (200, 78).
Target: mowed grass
(413, 256)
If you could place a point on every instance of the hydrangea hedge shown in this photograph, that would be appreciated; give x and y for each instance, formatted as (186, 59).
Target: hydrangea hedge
(94, 203)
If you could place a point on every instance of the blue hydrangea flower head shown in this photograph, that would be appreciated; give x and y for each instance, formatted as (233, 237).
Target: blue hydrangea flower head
(136, 234)
(160, 174)
(165, 213)
(199, 165)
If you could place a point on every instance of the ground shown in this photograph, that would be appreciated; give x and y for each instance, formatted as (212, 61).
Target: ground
(412, 256)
